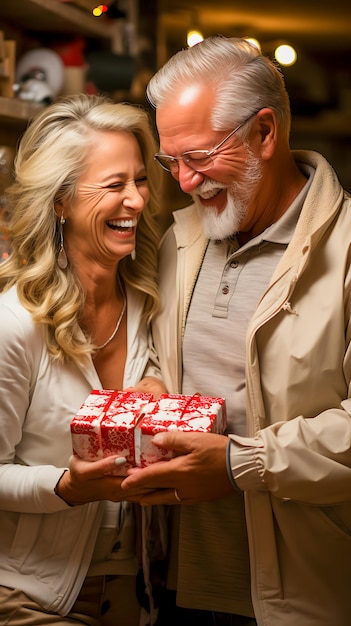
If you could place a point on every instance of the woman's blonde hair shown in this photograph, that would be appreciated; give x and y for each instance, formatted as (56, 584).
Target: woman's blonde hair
(50, 159)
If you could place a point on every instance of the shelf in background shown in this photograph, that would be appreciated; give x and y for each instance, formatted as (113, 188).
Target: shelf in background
(12, 109)
(54, 16)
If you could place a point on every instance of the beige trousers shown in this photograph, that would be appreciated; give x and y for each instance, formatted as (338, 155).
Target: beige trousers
(115, 595)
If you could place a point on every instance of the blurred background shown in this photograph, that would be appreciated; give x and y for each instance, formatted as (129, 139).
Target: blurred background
(50, 47)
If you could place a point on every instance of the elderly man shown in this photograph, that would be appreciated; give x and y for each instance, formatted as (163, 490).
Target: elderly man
(255, 282)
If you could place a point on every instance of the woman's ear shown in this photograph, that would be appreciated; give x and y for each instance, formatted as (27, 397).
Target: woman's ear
(59, 208)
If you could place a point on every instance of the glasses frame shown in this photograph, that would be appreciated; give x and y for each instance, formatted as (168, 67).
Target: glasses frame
(207, 153)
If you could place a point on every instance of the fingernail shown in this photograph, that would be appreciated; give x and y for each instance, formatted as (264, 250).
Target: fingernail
(120, 460)
(159, 438)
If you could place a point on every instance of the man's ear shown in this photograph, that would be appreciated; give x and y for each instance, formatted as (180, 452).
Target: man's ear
(267, 121)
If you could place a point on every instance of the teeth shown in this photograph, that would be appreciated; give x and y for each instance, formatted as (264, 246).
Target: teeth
(207, 195)
(210, 194)
(123, 223)
(208, 190)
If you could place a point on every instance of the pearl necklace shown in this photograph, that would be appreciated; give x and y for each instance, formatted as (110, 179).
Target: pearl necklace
(117, 325)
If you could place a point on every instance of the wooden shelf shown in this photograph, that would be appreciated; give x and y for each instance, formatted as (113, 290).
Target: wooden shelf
(14, 117)
(54, 16)
(13, 109)
(46, 16)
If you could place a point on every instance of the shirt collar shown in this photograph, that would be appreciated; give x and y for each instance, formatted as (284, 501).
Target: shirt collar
(283, 229)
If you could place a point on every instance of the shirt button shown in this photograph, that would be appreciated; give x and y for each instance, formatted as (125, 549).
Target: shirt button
(225, 289)
(234, 264)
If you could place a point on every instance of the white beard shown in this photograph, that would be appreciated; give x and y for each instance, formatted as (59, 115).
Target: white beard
(227, 223)
(222, 225)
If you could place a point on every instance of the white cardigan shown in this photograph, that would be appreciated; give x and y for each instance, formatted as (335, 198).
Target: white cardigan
(45, 545)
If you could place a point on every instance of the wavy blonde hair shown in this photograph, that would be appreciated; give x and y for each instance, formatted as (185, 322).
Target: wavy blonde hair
(50, 159)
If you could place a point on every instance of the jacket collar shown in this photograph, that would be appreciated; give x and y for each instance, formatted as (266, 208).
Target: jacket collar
(318, 210)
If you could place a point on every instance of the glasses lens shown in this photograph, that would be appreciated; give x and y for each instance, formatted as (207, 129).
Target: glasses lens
(198, 161)
(168, 163)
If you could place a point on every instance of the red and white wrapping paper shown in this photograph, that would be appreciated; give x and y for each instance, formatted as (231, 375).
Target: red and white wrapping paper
(176, 412)
(104, 425)
(123, 423)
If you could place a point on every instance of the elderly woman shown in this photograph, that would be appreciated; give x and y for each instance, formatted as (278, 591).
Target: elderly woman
(77, 295)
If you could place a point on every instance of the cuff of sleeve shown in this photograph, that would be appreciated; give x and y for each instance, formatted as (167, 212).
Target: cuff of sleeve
(56, 489)
(50, 501)
(229, 468)
(245, 464)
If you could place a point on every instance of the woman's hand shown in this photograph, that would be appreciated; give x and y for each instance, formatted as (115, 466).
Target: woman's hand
(197, 473)
(86, 481)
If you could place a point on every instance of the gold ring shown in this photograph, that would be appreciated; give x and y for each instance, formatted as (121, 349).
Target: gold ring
(177, 497)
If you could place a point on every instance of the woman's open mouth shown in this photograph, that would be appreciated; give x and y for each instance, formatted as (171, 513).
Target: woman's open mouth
(122, 225)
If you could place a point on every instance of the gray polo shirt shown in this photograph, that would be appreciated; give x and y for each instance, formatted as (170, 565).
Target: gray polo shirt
(229, 287)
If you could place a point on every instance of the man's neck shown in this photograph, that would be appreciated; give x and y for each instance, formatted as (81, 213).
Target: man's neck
(277, 204)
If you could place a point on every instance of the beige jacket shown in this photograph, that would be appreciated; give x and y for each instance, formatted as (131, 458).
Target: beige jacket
(295, 464)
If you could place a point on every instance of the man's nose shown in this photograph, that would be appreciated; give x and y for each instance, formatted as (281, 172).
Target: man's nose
(187, 177)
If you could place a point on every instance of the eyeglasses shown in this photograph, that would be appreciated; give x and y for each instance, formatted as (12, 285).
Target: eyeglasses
(197, 160)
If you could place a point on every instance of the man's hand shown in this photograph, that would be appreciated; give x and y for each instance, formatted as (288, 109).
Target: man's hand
(196, 474)
(91, 481)
(149, 384)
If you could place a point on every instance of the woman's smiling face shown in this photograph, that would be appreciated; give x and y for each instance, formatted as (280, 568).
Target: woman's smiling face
(101, 221)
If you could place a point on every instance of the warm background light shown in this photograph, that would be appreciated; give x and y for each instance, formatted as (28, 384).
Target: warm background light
(194, 37)
(100, 9)
(285, 55)
(253, 42)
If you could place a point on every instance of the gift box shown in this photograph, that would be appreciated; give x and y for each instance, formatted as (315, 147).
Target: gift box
(104, 424)
(123, 423)
(176, 412)
(85, 426)
(118, 424)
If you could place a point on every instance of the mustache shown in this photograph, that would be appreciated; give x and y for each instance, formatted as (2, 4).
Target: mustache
(207, 186)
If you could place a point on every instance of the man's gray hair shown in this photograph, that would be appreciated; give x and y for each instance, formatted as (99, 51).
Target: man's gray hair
(244, 81)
